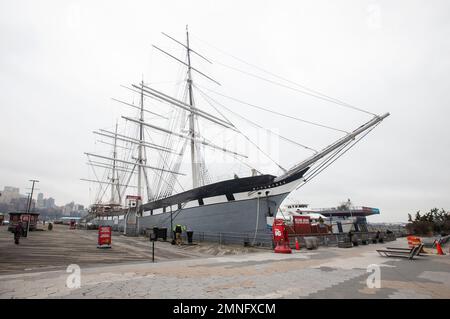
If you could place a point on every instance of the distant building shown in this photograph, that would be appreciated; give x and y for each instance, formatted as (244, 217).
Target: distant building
(40, 201)
(68, 209)
(8, 194)
(21, 204)
(49, 202)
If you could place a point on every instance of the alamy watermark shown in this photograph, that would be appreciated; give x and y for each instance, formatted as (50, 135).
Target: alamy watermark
(73, 281)
(374, 279)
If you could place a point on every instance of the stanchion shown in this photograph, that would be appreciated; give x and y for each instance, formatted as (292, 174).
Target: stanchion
(153, 238)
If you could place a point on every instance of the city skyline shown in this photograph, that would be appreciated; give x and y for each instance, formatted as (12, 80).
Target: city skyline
(35, 197)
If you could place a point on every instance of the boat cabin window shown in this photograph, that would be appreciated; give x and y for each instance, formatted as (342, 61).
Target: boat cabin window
(200, 201)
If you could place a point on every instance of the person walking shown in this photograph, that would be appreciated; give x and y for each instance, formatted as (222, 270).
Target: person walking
(18, 231)
(178, 231)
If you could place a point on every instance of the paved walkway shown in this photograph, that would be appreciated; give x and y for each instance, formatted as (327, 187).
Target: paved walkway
(56, 249)
(324, 273)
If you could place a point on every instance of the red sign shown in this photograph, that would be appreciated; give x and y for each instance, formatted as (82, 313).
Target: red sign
(302, 224)
(302, 220)
(25, 218)
(104, 236)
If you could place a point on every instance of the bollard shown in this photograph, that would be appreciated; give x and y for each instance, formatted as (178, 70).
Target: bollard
(153, 238)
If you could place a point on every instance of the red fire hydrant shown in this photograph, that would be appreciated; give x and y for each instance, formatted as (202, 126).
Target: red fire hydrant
(280, 237)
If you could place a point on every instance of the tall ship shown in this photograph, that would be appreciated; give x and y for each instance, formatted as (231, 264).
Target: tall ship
(154, 171)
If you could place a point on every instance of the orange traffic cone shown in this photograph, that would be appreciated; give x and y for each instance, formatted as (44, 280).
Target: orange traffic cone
(439, 249)
(297, 245)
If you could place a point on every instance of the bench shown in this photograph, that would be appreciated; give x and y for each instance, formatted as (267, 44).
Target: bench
(402, 253)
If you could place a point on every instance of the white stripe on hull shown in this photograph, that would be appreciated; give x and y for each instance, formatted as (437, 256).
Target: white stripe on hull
(281, 189)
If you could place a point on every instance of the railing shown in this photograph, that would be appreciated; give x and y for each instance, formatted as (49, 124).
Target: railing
(265, 240)
(335, 239)
(350, 208)
(398, 230)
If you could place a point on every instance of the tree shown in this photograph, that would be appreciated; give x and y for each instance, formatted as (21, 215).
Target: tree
(418, 216)
(433, 222)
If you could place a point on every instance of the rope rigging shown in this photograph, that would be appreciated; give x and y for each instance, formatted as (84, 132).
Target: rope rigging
(274, 112)
(240, 132)
(312, 92)
(253, 123)
(331, 159)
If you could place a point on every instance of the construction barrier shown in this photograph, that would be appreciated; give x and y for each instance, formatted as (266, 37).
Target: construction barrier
(439, 250)
(413, 241)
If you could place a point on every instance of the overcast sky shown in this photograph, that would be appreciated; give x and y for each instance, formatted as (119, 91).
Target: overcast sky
(62, 61)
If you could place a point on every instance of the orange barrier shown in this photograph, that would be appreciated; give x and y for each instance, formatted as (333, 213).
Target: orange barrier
(413, 241)
(439, 249)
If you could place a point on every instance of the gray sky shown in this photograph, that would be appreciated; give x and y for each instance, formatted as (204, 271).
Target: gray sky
(62, 61)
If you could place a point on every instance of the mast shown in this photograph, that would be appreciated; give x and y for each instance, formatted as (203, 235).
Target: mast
(113, 177)
(195, 182)
(141, 142)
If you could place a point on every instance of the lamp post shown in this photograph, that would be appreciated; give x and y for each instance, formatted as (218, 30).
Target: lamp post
(29, 203)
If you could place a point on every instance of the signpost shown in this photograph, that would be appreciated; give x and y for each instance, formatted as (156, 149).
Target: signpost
(153, 238)
(104, 237)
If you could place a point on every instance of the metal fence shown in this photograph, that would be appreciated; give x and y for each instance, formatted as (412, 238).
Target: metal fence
(398, 230)
(265, 240)
(335, 239)
(246, 239)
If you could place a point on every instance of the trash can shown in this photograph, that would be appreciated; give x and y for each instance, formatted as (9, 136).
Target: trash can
(162, 233)
(190, 234)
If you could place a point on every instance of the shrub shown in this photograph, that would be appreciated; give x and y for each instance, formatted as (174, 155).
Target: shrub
(434, 222)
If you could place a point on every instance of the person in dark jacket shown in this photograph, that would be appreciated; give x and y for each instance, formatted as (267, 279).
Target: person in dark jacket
(350, 236)
(178, 229)
(18, 233)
